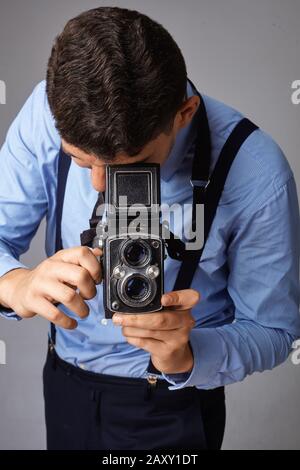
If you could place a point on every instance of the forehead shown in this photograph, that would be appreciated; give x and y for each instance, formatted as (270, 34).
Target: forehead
(148, 151)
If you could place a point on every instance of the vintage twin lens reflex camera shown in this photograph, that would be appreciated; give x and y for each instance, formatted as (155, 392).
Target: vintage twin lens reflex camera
(133, 248)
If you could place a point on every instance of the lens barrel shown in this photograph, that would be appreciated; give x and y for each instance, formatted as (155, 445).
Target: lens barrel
(136, 290)
(136, 253)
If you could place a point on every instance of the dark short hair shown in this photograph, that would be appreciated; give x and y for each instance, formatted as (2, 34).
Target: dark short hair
(115, 81)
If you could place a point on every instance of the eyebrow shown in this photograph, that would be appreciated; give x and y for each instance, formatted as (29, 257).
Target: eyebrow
(74, 156)
(78, 158)
(70, 154)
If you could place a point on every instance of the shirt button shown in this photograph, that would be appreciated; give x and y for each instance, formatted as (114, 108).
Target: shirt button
(104, 321)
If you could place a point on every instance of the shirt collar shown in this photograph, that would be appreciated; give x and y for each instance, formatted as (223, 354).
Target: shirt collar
(183, 141)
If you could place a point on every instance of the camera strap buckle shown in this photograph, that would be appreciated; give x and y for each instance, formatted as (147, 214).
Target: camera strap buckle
(199, 190)
(87, 236)
(175, 246)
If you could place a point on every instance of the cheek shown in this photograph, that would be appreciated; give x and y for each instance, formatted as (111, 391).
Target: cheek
(98, 178)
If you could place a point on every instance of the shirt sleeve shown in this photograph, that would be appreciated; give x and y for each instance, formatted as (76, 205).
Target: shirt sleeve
(263, 282)
(23, 201)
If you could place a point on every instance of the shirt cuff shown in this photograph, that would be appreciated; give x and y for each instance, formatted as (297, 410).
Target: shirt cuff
(7, 263)
(209, 354)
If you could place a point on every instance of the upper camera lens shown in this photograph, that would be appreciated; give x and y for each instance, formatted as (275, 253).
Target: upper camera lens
(136, 253)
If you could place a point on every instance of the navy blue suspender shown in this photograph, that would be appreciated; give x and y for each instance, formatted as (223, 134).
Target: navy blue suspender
(210, 195)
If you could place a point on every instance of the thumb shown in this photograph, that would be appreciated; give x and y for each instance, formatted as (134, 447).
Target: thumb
(181, 299)
(96, 251)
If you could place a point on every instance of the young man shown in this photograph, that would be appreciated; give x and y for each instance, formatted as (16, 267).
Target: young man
(117, 92)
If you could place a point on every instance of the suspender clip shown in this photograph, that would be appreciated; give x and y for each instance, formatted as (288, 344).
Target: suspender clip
(150, 386)
(152, 380)
(52, 353)
(200, 184)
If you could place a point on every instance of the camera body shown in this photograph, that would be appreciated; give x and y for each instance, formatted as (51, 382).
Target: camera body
(131, 238)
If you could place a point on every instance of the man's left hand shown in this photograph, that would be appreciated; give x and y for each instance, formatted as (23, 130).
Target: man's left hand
(165, 334)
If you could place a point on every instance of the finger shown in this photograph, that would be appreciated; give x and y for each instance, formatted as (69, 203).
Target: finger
(74, 275)
(159, 335)
(167, 320)
(171, 338)
(67, 296)
(181, 299)
(45, 309)
(148, 344)
(82, 256)
(97, 251)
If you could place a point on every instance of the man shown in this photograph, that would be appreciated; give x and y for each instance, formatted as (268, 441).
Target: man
(117, 92)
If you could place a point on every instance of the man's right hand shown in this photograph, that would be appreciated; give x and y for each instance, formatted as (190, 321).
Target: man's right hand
(55, 280)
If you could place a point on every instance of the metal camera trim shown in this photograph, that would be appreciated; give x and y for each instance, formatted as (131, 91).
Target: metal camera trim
(138, 303)
(142, 242)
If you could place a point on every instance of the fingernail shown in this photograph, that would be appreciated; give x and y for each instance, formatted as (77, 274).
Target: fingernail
(167, 300)
(117, 319)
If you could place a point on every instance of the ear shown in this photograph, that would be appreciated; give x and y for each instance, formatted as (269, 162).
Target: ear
(187, 111)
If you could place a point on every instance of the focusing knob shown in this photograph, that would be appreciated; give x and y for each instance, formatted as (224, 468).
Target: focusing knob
(152, 272)
(118, 272)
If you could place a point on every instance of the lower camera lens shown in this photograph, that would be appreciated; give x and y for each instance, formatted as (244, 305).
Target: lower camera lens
(136, 253)
(137, 288)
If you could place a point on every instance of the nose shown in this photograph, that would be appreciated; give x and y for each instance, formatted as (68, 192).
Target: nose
(98, 177)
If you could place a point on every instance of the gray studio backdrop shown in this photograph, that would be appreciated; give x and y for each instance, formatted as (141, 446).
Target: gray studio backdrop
(244, 53)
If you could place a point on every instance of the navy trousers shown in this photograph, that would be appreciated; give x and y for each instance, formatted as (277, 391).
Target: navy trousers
(88, 411)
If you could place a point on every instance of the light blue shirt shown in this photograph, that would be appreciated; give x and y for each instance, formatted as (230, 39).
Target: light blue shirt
(248, 275)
